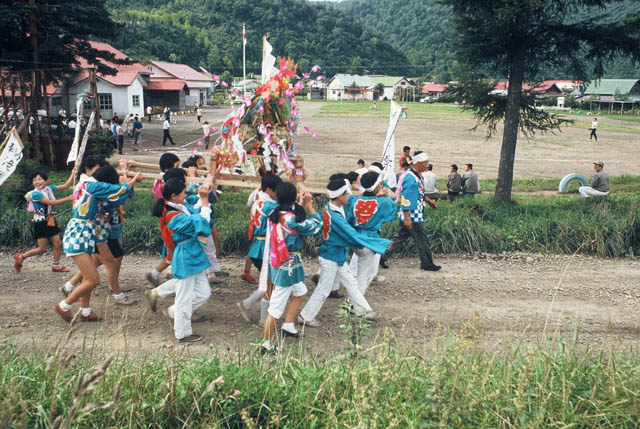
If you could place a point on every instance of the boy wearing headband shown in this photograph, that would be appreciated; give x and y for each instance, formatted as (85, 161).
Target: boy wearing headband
(412, 197)
(338, 236)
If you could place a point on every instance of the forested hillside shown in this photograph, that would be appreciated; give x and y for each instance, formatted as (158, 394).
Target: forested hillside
(208, 33)
(422, 31)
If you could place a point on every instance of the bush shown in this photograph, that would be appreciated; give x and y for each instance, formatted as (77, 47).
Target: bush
(101, 143)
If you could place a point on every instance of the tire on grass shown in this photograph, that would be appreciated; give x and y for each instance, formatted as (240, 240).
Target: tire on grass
(563, 187)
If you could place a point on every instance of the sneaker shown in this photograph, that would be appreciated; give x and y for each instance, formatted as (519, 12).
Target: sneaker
(59, 269)
(372, 315)
(125, 301)
(64, 291)
(151, 296)
(248, 278)
(379, 278)
(273, 350)
(432, 268)
(286, 333)
(92, 317)
(243, 311)
(313, 323)
(17, 262)
(222, 274)
(335, 294)
(193, 338)
(153, 281)
(315, 279)
(66, 315)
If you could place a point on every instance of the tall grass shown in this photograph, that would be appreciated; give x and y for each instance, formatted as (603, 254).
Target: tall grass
(607, 227)
(451, 383)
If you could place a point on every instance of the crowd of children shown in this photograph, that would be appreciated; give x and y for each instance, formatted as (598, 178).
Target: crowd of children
(281, 216)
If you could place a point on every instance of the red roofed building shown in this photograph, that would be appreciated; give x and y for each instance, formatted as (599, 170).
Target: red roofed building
(198, 88)
(547, 88)
(433, 90)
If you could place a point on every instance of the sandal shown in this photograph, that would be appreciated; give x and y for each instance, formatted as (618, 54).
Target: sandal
(59, 269)
(17, 262)
(248, 278)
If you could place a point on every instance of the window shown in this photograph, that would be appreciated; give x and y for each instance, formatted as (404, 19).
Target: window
(105, 102)
(135, 100)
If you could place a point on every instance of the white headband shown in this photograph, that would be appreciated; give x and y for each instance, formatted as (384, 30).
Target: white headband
(346, 189)
(375, 185)
(375, 169)
(421, 157)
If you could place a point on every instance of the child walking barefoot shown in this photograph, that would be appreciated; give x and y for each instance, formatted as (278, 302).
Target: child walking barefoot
(45, 225)
(287, 275)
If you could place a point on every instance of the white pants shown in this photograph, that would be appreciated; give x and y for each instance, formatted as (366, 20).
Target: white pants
(587, 191)
(210, 251)
(366, 267)
(167, 288)
(329, 272)
(191, 293)
(280, 297)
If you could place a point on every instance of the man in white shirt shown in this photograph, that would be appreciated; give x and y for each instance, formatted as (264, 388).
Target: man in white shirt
(430, 180)
(149, 112)
(165, 131)
(361, 168)
(594, 126)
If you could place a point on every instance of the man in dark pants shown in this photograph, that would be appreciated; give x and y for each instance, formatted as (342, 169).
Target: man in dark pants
(166, 134)
(412, 198)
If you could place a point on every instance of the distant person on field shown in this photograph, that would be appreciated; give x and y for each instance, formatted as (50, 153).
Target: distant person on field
(470, 185)
(165, 131)
(594, 126)
(149, 112)
(454, 183)
(405, 159)
(137, 130)
(600, 184)
(361, 167)
(430, 180)
(199, 114)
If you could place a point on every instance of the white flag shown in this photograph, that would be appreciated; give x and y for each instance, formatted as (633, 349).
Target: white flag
(10, 156)
(268, 61)
(73, 153)
(389, 147)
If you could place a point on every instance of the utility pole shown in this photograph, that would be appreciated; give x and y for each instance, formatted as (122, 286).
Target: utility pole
(93, 86)
(35, 85)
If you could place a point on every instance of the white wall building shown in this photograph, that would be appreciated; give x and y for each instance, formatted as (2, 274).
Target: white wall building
(350, 87)
(198, 84)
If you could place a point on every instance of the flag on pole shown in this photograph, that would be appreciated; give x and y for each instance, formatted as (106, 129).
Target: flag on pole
(11, 155)
(389, 148)
(268, 61)
(244, 36)
(73, 153)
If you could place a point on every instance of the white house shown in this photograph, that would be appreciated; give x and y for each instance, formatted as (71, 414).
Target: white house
(401, 86)
(350, 87)
(198, 84)
(121, 93)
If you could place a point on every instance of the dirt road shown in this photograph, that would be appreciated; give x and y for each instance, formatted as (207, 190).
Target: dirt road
(512, 296)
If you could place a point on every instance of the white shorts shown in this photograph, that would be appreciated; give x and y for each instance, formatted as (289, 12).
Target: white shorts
(280, 297)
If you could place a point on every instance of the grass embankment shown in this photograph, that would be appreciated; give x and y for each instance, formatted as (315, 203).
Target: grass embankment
(451, 383)
(536, 223)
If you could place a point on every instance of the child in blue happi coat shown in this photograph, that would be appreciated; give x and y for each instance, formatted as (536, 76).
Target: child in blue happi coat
(339, 236)
(45, 225)
(184, 233)
(264, 204)
(81, 237)
(286, 230)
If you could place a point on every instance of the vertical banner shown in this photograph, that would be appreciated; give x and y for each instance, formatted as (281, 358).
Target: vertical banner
(73, 153)
(268, 61)
(10, 156)
(389, 148)
(85, 138)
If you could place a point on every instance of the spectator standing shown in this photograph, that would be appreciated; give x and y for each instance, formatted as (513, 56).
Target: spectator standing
(165, 131)
(454, 183)
(601, 183)
(594, 126)
(470, 184)
(206, 132)
(120, 136)
(167, 113)
(71, 127)
(199, 114)
(361, 168)
(137, 130)
(430, 180)
(149, 112)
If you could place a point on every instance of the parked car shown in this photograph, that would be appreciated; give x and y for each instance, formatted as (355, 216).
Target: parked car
(427, 100)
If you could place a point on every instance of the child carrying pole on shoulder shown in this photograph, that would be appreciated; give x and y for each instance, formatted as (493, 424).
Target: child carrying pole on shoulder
(45, 226)
(286, 230)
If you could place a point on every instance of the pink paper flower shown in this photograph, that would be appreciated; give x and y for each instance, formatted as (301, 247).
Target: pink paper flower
(261, 108)
(194, 152)
(214, 129)
(315, 68)
(225, 84)
(290, 92)
(306, 75)
(324, 141)
(314, 134)
(235, 91)
(299, 85)
(306, 128)
(310, 83)
(200, 142)
(206, 135)
(282, 101)
(319, 78)
(215, 77)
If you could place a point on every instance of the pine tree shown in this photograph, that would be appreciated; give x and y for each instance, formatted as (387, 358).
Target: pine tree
(518, 39)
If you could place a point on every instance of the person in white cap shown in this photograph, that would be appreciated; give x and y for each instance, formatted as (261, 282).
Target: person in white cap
(600, 184)
(411, 192)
